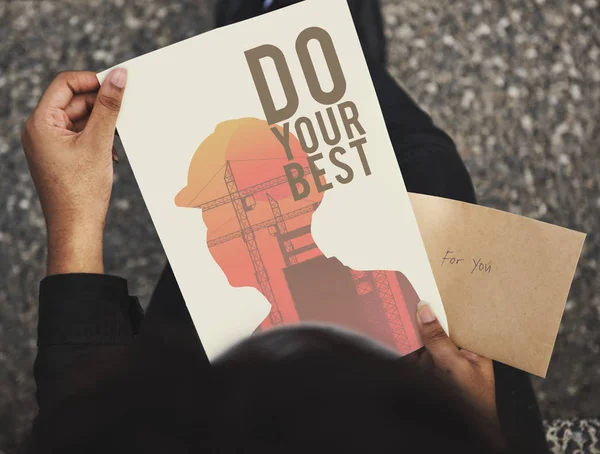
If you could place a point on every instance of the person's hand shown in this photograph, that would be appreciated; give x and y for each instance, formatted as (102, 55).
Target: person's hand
(68, 142)
(471, 374)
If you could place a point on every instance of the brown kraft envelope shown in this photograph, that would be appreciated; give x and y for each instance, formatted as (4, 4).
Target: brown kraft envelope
(503, 278)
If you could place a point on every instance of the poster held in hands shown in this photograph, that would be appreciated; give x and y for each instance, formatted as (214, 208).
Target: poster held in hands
(264, 160)
(262, 154)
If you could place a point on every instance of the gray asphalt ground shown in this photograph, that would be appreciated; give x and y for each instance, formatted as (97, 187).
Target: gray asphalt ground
(516, 83)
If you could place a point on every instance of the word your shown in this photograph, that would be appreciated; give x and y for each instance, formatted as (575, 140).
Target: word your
(477, 264)
(330, 122)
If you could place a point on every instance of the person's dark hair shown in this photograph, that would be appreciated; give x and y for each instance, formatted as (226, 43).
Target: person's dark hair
(306, 389)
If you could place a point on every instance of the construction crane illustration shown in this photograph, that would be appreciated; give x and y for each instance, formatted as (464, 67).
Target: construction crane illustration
(239, 201)
(375, 291)
(280, 230)
(373, 287)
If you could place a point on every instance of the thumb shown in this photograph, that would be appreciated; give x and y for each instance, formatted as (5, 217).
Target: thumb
(103, 119)
(435, 339)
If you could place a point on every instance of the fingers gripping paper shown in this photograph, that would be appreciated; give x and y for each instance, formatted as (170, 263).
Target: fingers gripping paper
(504, 279)
(264, 160)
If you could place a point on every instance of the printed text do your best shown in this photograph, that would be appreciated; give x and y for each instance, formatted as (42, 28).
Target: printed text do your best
(327, 125)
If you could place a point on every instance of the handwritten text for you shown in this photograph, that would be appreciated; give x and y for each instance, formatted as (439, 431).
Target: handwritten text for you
(450, 259)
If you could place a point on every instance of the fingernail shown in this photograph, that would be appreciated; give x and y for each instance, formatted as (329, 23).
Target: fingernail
(119, 77)
(425, 313)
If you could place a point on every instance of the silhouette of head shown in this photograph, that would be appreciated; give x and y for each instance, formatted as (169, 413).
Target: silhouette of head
(245, 152)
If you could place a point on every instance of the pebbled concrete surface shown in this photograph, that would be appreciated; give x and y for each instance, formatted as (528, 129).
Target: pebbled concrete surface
(516, 83)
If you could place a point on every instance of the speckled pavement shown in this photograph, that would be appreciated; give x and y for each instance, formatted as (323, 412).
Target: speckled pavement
(516, 83)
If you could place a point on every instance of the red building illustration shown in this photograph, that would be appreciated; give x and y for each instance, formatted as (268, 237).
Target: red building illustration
(261, 237)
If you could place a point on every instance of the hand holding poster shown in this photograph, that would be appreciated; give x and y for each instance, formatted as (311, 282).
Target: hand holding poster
(294, 208)
(264, 159)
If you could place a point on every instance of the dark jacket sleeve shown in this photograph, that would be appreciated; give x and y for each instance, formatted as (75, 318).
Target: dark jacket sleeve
(86, 325)
(518, 411)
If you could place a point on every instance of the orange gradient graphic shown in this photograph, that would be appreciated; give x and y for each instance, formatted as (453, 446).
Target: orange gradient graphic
(260, 237)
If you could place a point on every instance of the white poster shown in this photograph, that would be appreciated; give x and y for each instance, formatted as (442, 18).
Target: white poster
(263, 157)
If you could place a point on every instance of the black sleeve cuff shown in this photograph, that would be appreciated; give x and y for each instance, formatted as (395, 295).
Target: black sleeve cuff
(518, 411)
(86, 309)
